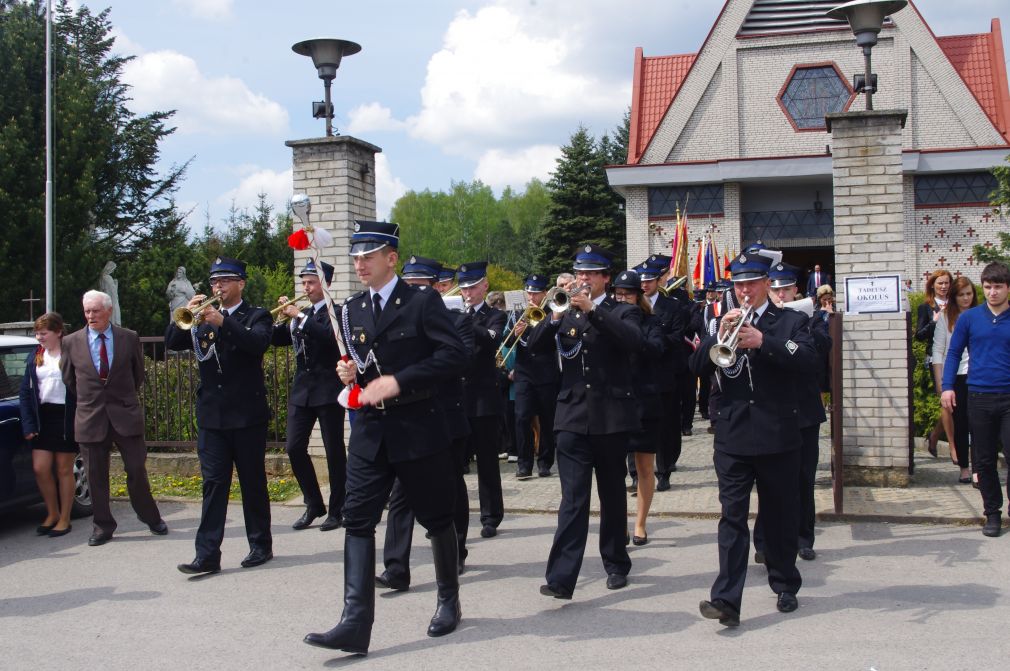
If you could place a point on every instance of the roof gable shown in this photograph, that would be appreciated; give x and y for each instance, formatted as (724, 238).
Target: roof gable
(657, 80)
(975, 58)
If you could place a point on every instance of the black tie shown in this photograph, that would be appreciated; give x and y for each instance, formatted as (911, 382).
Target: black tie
(377, 309)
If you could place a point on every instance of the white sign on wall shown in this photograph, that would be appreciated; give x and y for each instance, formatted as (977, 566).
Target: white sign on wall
(876, 293)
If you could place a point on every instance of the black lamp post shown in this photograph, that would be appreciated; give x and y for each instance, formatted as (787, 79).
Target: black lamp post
(326, 54)
(866, 18)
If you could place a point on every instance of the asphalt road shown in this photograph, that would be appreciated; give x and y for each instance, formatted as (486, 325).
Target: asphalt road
(879, 596)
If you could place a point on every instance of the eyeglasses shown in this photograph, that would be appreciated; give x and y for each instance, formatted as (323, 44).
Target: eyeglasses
(222, 280)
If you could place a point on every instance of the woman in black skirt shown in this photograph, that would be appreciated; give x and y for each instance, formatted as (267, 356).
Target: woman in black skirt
(47, 420)
(643, 444)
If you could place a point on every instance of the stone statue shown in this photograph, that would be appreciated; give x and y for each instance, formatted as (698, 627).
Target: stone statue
(179, 291)
(110, 285)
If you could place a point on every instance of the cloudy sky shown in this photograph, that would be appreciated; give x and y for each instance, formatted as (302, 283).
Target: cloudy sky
(450, 89)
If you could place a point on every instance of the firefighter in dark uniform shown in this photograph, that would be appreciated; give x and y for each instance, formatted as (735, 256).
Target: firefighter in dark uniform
(783, 284)
(422, 272)
(403, 347)
(673, 315)
(708, 313)
(231, 413)
(313, 397)
(757, 436)
(482, 395)
(536, 377)
(595, 415)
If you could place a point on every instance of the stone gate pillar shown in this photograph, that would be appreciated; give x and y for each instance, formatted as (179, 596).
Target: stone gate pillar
(338, 175)
(869, 239)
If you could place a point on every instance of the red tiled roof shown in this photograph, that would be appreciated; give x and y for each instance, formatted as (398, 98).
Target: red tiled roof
(657, 80)
(976, 59)
(979, 59)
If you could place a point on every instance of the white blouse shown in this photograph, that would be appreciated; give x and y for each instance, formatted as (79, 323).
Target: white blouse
(51, 387)
(941, 338)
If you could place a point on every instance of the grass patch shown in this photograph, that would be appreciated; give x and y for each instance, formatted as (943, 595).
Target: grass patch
(278, 489)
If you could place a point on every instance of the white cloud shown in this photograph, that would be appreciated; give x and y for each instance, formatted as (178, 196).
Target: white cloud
(372, 117)
(387, 187)
(123, 45)
(207, 9)
(499, 168)
(509, 71)
(276, 185)
(163, 80)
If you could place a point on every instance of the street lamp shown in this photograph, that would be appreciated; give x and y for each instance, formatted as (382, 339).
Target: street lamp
(866, 18)
(326, 54)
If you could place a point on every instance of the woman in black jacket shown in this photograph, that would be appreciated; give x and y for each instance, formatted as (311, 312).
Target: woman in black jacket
(47, 421)
(937, 290)
(644, 444)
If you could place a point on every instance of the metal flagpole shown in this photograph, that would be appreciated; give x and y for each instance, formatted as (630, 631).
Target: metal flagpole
(49, 157)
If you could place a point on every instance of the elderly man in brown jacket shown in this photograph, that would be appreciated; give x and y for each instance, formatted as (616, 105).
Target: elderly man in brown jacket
(104, 367)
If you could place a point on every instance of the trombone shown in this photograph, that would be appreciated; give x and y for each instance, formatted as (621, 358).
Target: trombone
(673, 285)
(277, 310)
(557, 301)
(723, 352)
(186, 318)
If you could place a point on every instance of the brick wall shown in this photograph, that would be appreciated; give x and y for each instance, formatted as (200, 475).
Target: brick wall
(943, 237)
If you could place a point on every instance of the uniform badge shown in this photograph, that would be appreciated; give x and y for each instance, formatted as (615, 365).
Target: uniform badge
(211, 335)
(589, 248)
(397, 301)
(204, 344)
(742, 259)
(462, 269)
(217, 260)
(357, 227)
(413, 259)
(361, 338)
(624, 276)
(363, 304)
(780, 267)
(572, 332)
(791, 347)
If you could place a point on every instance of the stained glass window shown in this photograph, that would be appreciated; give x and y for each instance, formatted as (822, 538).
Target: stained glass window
(813, 92)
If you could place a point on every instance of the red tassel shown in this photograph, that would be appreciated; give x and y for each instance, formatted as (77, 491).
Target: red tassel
(298, 240)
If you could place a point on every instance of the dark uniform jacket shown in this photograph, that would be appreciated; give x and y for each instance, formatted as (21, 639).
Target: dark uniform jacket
(597, 395)
(811, 407)
(416, 342)
(672, 319)
(536, 360)
(481, 393)
(649, 377)
(316, 382)
(233, 396)
(765, 419)
(450, 392)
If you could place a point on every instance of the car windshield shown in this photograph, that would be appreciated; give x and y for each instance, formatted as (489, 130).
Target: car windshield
(12, 369)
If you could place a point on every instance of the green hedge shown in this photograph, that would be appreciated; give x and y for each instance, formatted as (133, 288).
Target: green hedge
(925, 401)
(170, 395)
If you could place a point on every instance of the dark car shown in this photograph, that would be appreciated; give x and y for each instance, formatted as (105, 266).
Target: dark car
(17, 479)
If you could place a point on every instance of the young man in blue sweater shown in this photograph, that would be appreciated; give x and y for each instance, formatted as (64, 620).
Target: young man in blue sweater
(985, 331)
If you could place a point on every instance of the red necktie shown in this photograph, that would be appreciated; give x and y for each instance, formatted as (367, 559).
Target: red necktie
(103, 359)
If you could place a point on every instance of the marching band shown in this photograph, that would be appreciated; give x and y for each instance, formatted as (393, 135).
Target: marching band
(605, 368)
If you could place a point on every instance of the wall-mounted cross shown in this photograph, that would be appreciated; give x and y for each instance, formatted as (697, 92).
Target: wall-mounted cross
(987, 245)
(956, 246)
(987, 217)
(942, 233)
(926, 247)
(971, 260)
(927, 219)
(942, 261)
(956, 218)
(957, 274)
(971, 232)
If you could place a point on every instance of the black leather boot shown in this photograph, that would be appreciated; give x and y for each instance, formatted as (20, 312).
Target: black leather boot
(446, 556)
(354, 631)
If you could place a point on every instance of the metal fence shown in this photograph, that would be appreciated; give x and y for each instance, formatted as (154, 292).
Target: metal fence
(169, 395)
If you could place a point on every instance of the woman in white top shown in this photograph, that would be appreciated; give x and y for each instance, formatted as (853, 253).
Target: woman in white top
(47, 421)
(959, 439)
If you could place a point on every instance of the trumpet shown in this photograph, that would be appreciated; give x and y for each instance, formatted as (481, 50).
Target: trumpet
(278, 315)
(186, 318)
(723, 352)
(673, 285)
(556, 300)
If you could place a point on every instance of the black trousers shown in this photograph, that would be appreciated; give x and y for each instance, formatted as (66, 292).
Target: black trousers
(668, 451)
(809, 456)
(400, 519)
(704, 387)
(688, 398)
(535, 401)
(962, 429)
(219, 450)
(989, 417)
(777, 478)
(427, 487)
(579, 456)
(331, 425)
(485, 441)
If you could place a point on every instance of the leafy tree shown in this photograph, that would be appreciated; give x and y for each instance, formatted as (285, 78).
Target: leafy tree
(109, 201)
(584, 209)
(1000, 200)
